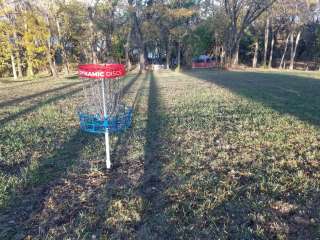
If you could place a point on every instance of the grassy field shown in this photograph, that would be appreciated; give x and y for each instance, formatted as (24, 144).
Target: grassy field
(211, 155)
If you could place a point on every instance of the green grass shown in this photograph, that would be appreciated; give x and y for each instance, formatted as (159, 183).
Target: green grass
(211, 155)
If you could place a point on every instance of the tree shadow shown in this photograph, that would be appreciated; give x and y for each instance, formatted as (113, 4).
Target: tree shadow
(44, 180)
(25, 83)
(32, 96)
(248, 208)
(72, 77)
(123, 138)
(121, 184)
(263, 197)
(7, 81)
(36, 78)
(128, 86)
(285, 93)
(34, 107)
(43, 93)
(135, 178)
(155, 221)
(237, 200)
(14, 168)
(29, 199)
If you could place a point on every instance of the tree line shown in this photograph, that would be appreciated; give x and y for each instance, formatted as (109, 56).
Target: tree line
(56, 35)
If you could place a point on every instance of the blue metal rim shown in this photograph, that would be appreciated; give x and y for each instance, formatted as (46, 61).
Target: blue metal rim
(115, 124)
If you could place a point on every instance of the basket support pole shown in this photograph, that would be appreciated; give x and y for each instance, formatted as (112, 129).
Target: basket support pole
(106, 134)
(108, 162)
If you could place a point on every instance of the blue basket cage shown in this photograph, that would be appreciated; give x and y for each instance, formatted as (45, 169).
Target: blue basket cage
(94, 123)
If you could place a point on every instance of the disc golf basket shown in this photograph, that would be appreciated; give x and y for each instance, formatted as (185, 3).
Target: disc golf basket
(102, 111)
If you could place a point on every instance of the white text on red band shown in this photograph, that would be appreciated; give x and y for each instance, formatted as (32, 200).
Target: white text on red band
(100, 74)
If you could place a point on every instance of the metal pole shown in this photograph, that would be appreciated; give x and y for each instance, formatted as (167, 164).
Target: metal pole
(108, 162)
(106, 134)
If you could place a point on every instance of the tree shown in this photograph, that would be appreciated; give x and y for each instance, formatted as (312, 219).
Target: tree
(299, 16)
(72, 28)
(8, 37)
(258, 32)
(289, 18)
(136, 33)
(240, 14)
(183, 18)
(47, 34)
(6, 50)
(266, 41)
(271, 48)
(34, 40)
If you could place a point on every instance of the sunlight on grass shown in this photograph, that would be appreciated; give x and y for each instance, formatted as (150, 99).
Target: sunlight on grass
(234, 155)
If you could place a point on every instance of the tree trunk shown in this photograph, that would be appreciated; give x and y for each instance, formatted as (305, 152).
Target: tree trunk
(17, 56)
(188, 57)
(65, 60)
(232, 56)
(14, 71)
(94, 56)
(52, 66)
(53, 70)
(235, 55)
(266, 42)
(255, 56)
(271, 51)
(284, 52)
(179, 56)
(222, 57)
(86, 54)
(145, 52)
(63, 50)
(20, 74)
(294, 50)
(168, 52)
(30, 72)
(141, 60)
(231, 44)
(136, 31)
(128, 62)
(127, 49)
(168, 59)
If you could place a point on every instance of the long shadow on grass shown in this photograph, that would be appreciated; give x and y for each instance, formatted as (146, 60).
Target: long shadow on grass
(35, 78)
(257, 207)
(27, 200)
(127, 87)
(27, 83)
(14, 168)
(287, 94)
(32, 96)
(39, 105)
(124, 138)
(137, 177)
(154, 220)
(120, 186)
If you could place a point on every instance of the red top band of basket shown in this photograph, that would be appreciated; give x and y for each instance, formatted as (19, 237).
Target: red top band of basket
(101, 71)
